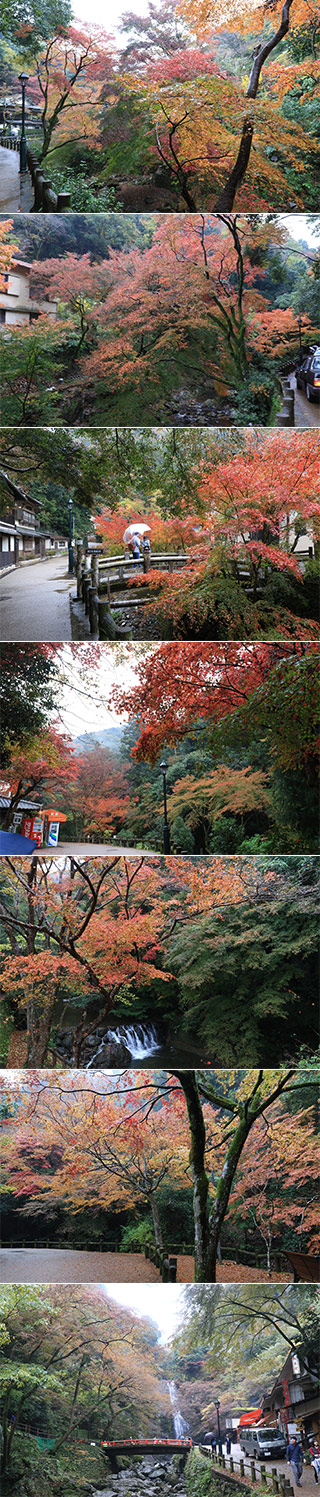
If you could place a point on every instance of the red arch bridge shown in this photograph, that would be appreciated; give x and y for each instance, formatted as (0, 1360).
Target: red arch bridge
(114, 1448)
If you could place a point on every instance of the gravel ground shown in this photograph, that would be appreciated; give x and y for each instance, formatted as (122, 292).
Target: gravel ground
(232, 1273)
(68, 1266)
(59, 1266)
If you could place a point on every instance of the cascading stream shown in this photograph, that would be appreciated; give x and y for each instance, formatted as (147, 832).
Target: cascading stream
(179, 1423)
(140, 1039)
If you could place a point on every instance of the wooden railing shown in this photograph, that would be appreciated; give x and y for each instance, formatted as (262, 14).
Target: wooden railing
(9, 143)
(273, 1480)
(285, 416)
(46, 200)
(94, 572)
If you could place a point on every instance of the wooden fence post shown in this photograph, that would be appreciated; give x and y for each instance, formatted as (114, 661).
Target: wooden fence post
(79, 567)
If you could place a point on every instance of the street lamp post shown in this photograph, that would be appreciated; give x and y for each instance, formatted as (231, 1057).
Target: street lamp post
(70, 568)
(300, 343)
(23, 79)
(217, 1404)
(166, 831)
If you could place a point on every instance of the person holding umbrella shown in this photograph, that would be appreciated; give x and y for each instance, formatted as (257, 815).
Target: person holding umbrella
(131, 537)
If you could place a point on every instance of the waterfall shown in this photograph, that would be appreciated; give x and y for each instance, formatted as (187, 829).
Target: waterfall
(140, 1039)
(179, 1423)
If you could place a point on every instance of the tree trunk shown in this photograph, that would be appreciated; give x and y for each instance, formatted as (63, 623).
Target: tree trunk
(227, 196)
(156, 1222)
(199, 1176)
(39, 1039)
(223, 1192)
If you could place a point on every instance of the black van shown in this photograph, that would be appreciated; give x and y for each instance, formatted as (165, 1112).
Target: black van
(308, 375)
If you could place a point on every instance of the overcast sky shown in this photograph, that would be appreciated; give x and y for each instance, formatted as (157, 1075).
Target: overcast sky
(162, 1302)
(106, 13)
(83, 703)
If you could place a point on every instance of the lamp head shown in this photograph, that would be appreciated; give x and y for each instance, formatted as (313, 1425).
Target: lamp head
(23, 79)
(163, 767)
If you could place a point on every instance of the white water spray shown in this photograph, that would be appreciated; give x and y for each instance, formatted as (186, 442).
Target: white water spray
(140, 1039)
(179, 1423)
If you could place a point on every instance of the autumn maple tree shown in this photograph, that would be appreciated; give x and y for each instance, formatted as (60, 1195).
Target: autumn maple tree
(45, 764)
(221, 327)
(211, 262)
(225, 133)
(116, 1140)
(101, 928)
(7, 251)
(178, 936)
(276, 1190)
(256, 506)
(78, 1351)
(180, 683)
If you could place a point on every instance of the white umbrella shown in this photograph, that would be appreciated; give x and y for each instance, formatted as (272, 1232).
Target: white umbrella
(138, 529)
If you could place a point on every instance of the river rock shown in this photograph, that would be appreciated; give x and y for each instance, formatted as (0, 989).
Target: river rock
(146, 1478)
(110, 1054)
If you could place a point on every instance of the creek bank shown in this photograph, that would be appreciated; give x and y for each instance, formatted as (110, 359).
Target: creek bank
(110, 1048)
(125, 1044)
(184, 409)
(146, 1478)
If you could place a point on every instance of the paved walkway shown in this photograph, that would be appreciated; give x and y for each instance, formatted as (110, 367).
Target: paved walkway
(95, 850)
(306, 412)
(59, 1266)
(34, 601)
(16, 194)
(308, 1483)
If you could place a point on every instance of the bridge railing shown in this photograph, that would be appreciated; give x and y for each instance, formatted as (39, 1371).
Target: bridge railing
(95, 573)
(273, 1480)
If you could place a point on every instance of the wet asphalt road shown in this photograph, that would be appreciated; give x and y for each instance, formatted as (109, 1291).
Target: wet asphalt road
(306, 412)
(34, 601)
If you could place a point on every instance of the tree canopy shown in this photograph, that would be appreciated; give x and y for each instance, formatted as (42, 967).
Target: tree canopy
(89, 1141)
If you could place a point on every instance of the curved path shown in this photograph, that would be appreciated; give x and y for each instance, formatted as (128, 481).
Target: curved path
(307, 1481)
(68, 1266)
(16, 195)
(96, 850)
(306, 412)
(34, 601)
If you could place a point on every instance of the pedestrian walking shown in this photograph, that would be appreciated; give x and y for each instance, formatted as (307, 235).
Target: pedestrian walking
(228, 1445)
(146, 552)
(295, 1459)
(315, 1458)
(213, 1444)
(136, 552)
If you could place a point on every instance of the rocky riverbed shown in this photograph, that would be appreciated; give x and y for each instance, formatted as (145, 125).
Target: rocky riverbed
(146, 1478)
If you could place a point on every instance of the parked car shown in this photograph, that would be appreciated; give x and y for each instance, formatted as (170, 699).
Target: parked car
(264, 1443)
(308, 375)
